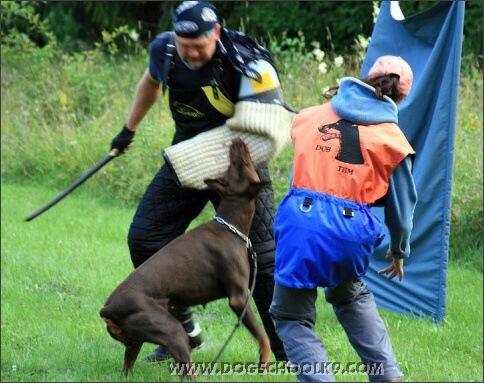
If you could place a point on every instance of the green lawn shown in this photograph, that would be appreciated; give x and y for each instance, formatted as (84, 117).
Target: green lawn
(58, 269)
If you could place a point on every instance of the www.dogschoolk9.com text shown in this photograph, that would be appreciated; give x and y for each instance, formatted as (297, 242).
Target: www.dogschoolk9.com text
(279, 368)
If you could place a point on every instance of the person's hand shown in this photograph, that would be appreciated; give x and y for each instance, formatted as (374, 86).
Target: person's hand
(123, 141)
(395, 268)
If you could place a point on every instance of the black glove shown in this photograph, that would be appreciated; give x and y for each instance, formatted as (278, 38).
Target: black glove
(122, 140)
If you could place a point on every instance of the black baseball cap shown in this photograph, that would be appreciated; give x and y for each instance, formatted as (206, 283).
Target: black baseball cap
(194, 19)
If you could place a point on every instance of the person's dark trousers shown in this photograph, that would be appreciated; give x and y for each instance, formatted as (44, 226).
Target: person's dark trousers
(166, 211)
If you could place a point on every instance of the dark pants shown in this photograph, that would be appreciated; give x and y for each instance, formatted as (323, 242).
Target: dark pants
(165, 212)
(294, 313)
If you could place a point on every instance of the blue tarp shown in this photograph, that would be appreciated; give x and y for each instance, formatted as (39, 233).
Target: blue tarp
(431, 42)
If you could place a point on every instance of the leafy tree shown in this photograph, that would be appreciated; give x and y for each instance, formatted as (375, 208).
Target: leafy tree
(335, 25)
(79, 24)
(331, 23)
(22, 28)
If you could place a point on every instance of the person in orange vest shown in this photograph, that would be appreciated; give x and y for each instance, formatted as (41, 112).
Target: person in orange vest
(349, 155)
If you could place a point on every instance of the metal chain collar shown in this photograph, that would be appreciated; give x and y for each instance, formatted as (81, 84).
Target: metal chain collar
(233, 229)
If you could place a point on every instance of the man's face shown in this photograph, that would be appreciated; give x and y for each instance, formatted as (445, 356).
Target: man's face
(196, 52)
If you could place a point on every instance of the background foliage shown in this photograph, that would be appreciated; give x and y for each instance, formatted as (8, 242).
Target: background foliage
(333, 24)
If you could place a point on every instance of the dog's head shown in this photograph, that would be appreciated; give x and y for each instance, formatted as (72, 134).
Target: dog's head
(242, 178)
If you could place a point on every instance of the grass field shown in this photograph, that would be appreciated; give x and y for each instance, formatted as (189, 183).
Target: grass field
(58, 269)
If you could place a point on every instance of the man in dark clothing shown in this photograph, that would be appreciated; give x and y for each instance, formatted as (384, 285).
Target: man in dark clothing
(206, 72)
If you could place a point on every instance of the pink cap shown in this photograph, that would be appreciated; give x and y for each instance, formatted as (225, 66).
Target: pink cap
(386, 65)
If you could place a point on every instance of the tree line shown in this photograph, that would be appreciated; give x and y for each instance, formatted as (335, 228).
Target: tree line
(333, 24)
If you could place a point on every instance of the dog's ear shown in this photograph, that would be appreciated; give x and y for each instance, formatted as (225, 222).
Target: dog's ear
(256, 187)
(216, 185)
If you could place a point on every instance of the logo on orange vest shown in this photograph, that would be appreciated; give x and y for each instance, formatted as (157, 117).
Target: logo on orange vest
(349, 139)
(323, 148)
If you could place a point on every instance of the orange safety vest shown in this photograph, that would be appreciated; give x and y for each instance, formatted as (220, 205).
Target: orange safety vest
(339, 158)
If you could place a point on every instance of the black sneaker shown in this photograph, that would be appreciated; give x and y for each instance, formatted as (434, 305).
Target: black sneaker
(160, 354)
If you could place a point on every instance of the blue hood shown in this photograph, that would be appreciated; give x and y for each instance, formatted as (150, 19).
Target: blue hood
(356, 102)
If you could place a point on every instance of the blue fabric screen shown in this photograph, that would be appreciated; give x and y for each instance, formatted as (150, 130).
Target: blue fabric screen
(431, 42)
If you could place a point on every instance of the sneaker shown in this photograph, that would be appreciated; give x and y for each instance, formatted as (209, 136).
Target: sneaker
(160, 354)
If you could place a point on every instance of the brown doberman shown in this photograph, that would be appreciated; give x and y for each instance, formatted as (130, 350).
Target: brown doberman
(215, 264)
